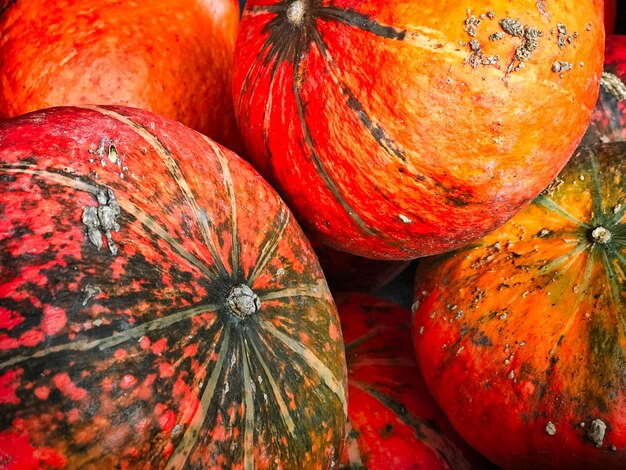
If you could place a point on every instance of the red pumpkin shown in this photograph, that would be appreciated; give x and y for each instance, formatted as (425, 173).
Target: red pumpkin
(396, 129)
(172, 57)
(159, 307)
(522, 336)
(608, 122)
(393, 420)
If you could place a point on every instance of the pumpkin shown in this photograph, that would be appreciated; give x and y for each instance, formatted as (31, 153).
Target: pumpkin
(522, 336)
(608, 121)
(393, 421)
(172, 57)
(159, 306)
(396, 129)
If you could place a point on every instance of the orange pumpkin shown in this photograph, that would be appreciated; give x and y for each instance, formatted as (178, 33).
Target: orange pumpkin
(522, 336)
(172, 57)
(402, 128)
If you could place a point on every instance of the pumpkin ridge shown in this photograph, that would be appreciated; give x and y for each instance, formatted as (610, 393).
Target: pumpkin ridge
(177, 175)
(92, 188)
(379, 134)
(114, 339)
(184, 448)
(310, 359)
(270, 245)
(319, 165)
(308, 290)
(235, 250)
(248, 404)
(284, 410)
(547, 203)
(351, 17)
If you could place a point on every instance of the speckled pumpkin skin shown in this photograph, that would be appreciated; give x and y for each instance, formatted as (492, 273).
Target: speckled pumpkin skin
(394, 421)
(173, 57)
(396, 129)
(522, 336)
(608, 121)
(131, 355)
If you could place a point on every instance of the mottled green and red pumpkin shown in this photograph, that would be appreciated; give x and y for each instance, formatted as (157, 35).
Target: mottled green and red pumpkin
(521, 336)
(159, 306)
(393, 420)
(401, 128)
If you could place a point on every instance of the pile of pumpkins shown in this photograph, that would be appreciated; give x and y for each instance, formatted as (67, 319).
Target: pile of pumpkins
(199, 212)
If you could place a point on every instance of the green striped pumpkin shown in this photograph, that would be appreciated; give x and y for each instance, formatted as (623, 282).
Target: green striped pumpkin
(159, 306)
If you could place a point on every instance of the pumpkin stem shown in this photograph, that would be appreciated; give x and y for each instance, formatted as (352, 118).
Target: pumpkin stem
(601, 235)
(295, 12)
(242, 301)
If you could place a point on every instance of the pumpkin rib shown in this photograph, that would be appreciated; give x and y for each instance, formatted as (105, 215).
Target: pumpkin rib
(269, 247)
(384, 141)
(284, 410)
(310, 290)
(248, 405)
(310, 359)
(320, 168)
(387, 143)
(114, 340)
(353, 18)
(205, 226)
(185, 446)
(235, 249)
(378, 329)
(552, 206)
(352, 449)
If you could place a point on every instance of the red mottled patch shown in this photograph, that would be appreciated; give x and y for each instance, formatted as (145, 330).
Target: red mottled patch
(9, 383)
(167, 420)
(9, 319)
(54, 320)
(166, 370)
(17, 453)
(42, 393)
(128, 381)
(73, 415)
(159, 346)
(64, 383)
(32, 338)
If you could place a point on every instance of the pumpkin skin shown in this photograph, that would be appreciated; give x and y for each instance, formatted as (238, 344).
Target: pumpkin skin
(521, 336)
(608, 121)
(381, 127)
(393, 420)
(172, 57)
(202, 335)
